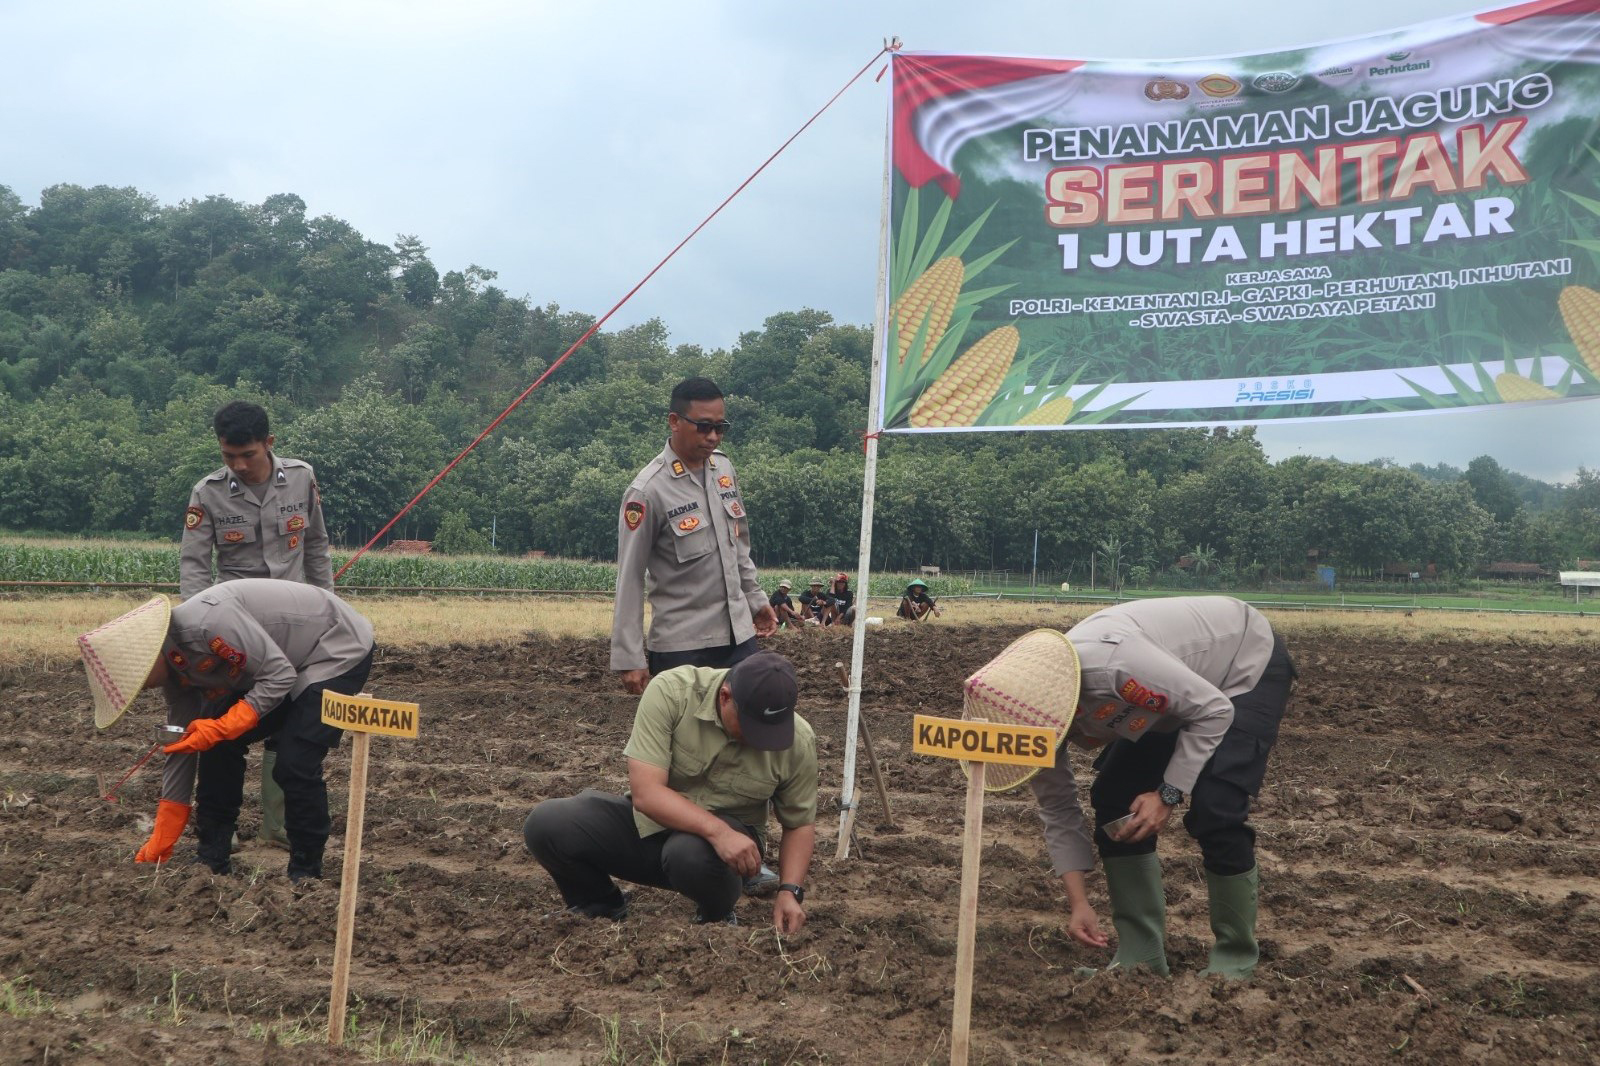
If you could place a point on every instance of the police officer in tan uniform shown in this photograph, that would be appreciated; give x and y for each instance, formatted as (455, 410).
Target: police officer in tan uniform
(260, 515)
(1185, 696)
(683, 522)
(243, 661)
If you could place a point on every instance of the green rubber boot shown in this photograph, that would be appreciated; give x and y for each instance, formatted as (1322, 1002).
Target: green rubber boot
(1138, 911)
(272, 831)
(1233, 923)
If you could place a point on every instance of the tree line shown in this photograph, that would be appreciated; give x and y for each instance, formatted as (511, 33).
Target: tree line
(124, 323)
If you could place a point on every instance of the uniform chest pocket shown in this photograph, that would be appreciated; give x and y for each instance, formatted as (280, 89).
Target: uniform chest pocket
(753, 786)
(732, 505)
(691, 536)
(240, 534)
(686, 765)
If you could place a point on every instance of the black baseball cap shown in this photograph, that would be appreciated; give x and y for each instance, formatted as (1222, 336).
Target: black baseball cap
(764, 691)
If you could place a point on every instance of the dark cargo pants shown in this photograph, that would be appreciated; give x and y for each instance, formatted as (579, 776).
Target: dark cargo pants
(1219, 807)
(302, 743)
(586, 840)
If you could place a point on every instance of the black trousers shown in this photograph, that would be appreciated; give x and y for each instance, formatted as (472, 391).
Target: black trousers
(1219, 807)
(302, 744)
(586, 840)
(718, 657)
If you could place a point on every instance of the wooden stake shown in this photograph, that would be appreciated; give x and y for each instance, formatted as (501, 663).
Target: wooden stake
(967, 929)
(349, 880)
(847, 833)
(872, 754)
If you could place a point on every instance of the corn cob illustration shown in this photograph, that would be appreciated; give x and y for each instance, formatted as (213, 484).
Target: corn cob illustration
(1514, 388)
(961, 393)
(1580, 310)
(1051, 413)
(932, 297)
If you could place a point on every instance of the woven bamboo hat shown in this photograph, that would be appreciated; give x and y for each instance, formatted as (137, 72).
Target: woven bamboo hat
(1033, 682)
(119, 655)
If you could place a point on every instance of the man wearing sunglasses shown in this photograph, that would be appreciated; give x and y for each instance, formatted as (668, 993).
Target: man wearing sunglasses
(683, 523)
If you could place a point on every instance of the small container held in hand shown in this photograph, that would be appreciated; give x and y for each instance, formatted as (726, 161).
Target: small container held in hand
(1115, 830)
(169, 734)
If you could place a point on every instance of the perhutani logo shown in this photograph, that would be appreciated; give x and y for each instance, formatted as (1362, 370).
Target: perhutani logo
(1277, 81)
(1398, 65)
(1399, 68)
(1275, 391)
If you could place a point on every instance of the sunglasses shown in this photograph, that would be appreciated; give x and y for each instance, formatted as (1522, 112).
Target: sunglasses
(708, 427)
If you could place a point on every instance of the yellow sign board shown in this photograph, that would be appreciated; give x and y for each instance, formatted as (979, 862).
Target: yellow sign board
(363, 714)
(951, 738)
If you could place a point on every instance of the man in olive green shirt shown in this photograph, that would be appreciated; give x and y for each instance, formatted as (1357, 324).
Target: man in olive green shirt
(710, 750)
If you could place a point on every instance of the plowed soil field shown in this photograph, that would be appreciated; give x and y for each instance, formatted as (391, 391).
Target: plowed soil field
(1430, 885)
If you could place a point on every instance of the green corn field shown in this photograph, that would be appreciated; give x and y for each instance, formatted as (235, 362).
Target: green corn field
(155, 564)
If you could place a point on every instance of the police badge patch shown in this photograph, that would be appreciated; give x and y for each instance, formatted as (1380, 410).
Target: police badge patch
(1140, 696)
(233, 536)
(633, 514)
(228, 653)
(193, 517)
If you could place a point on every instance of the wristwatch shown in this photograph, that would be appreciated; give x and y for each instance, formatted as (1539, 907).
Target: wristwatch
(798, 892)
(1169, 795)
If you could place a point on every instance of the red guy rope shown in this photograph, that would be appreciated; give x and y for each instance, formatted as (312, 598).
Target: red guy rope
(490, 428)
(111, 797)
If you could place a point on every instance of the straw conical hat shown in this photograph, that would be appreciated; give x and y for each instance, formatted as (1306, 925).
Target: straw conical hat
(119, 656)
(1033, 682)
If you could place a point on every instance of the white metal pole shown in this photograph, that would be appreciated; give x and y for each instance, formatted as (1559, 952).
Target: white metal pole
(869, 482)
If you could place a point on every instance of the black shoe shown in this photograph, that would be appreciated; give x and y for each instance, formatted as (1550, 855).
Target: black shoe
(215, 867)
(616, 912)
(305, 864)
(764, 883)
(727, 919)
(216, 846)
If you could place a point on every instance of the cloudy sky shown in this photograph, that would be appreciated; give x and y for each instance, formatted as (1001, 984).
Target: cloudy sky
(570, 145)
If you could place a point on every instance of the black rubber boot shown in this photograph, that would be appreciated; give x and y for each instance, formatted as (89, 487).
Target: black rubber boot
(216, 846)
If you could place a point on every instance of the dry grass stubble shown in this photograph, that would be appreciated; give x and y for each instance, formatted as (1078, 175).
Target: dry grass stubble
(40, 633)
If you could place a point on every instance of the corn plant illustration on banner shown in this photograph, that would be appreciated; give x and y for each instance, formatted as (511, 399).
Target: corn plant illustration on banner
(1396, 224)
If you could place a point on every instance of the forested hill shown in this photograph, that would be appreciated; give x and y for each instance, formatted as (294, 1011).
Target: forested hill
(125, 322)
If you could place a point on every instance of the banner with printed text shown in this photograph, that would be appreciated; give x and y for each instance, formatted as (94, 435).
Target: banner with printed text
(1401, 223)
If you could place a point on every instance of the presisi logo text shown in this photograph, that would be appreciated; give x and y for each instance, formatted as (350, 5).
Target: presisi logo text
(1274, 395)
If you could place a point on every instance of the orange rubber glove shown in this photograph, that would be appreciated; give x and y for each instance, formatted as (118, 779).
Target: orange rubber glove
(171, 817)
(206, 733)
